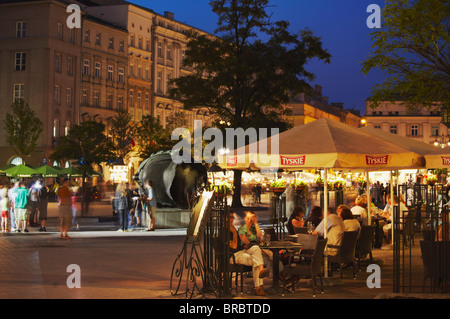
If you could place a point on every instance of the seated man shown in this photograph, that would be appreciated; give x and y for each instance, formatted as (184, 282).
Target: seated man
(249, 256)
(387, 214)
(335, 231)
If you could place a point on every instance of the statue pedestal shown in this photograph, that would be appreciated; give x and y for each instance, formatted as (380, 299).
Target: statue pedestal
(167, 218)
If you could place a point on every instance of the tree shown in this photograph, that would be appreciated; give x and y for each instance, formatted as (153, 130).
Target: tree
(123, 131)
(413, 49)
(22, 129)
(239, 77)
(153, 137)
(85, 145)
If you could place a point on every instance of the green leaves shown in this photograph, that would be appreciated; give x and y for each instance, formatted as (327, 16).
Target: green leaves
(22, 129)
(413, 49)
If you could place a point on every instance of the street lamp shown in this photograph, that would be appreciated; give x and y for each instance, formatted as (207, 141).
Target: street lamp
(442, 141)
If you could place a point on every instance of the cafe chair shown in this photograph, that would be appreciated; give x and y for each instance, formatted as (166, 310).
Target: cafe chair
(345, 252)
(307, 269)
(223, 255)
(308, 242)
(364, 244)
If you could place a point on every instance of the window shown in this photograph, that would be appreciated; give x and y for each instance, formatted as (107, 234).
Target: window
(159, 82)
(131, 69)
(59, 31)
(131, 40)
(139, 71)
(21, 61)
(435, 130)
(67, 128)
(87, 36)
(58, 63)
(183, 55)
(55, 128)
(72, 36)
(111, 43)
(377, 126)
(86, 67)
(147, 44)
(169, 54)
(97, 71)
(57, 94)
(110, 73)
(19, 92)
(394, 129)
(109, 101)
(140, 43)
(69, 66)
(139, 105)
(121, 75)
(147, 101)
(168, 82)
(120, 102)
(69, 97)
(96, 99)
(84, 97)
(121, 46)
(160, 54)
(131, 99)
(147, 74)
(21, 29)
(414, 130)
(98, 38)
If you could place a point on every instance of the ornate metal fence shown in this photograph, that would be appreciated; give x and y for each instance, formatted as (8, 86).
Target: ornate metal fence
(421, 240)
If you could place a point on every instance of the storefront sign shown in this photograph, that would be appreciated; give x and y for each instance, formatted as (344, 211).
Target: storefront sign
(293, 161)
(377, 160)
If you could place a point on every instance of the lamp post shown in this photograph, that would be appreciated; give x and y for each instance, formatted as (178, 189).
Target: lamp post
(442, 141)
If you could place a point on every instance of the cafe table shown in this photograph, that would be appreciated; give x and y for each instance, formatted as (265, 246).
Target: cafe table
(275, 247)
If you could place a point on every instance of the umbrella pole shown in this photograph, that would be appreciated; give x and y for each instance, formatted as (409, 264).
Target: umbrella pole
(325, 212)
(392, 207)
(368, 197)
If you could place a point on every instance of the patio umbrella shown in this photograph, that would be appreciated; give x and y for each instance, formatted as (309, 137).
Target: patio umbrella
(5, 167)
(439, 158)
(73, 171)
(19, 171)
(324, 144)
(47, 171)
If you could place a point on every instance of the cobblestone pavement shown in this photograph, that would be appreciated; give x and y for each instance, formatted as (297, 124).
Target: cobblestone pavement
(136, 265)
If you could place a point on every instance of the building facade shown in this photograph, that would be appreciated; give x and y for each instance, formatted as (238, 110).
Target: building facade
(39, 63)
(424, 125)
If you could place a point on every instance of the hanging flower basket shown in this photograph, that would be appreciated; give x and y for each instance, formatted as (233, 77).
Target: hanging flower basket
(278, 190)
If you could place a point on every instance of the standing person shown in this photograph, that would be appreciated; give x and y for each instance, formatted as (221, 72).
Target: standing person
(75, 209)
(130, 209)
(12, 197)
(20, 207)
(138, 206)
(4, 209)
(42, 196)
(151, 206)
(121, 204)
(65, 209)
(33, 203)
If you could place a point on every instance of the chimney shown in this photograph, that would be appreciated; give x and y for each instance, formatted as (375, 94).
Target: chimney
(169, 15)
(318, 90)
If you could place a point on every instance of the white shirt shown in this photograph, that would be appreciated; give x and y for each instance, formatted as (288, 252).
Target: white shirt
(359, 211)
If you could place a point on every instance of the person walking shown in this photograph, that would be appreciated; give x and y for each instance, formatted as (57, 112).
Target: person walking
(33, 203)
(4, 209)
(121, 204)
(65, 209)
(151, 206)
(42, 204)
(20, 207)
(12, 197)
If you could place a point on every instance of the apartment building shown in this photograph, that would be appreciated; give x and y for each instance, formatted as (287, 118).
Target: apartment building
(39, 63)
(422, 124)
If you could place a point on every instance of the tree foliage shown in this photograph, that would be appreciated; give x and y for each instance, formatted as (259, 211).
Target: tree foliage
(122, 131)
(249, 70)
(22, 129)
(413, 49)
(85, 145)
(153, 137)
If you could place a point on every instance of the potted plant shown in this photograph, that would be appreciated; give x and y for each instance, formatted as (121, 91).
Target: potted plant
(279, 186)
(223, 188)
(431, 179)
(339, 184)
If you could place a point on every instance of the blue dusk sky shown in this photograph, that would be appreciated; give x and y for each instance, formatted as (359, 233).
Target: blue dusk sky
(340, 24)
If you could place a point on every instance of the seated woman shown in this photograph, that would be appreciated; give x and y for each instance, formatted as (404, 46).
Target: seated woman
(316, 216)
(295, 221)
(350, 222)
(359, 210)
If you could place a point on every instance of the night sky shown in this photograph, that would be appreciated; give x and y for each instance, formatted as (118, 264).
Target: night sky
(341, 25)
